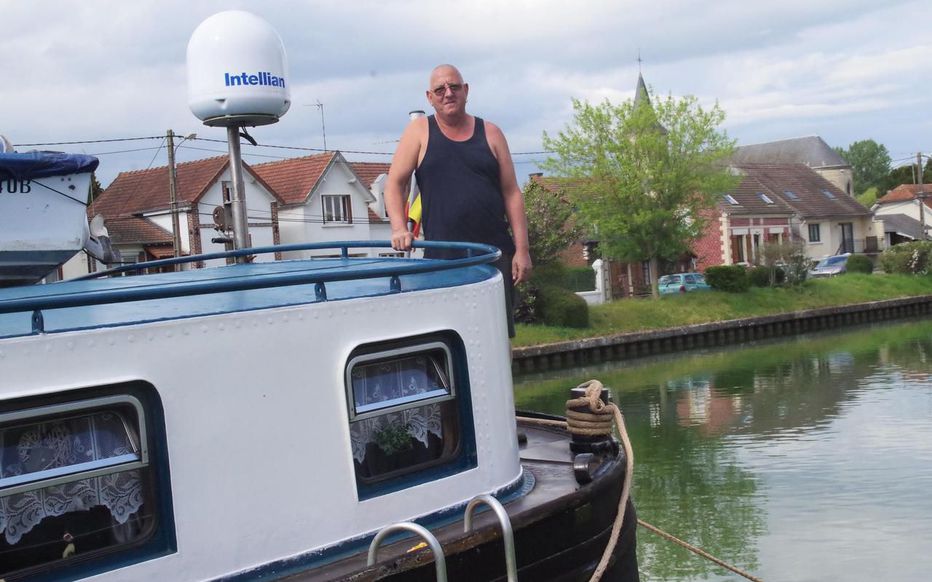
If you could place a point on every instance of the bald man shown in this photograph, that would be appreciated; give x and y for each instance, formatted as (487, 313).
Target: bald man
(464, 171)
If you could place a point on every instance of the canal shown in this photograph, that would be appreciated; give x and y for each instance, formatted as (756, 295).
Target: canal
(807, 459)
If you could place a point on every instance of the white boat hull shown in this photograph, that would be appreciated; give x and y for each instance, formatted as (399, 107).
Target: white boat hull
(43, 223)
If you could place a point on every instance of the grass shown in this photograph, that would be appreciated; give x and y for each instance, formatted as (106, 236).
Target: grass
(629, 315)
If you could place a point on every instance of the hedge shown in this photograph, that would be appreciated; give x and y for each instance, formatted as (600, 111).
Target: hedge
(731, 278)
(562, 308)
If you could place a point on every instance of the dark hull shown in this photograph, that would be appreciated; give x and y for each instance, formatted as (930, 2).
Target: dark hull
(561, 529)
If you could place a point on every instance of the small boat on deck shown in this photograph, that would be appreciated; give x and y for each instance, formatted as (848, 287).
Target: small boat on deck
(43, 199)
(322, 419)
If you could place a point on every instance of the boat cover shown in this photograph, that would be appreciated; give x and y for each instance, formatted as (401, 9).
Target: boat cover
(32, 165)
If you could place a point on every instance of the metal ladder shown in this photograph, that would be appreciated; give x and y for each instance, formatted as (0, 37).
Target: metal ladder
(440, 563)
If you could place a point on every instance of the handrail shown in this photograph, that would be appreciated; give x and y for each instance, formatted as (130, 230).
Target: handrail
(477, 254)
(511, 567)
(440, 563)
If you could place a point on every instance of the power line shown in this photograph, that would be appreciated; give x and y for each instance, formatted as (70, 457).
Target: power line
(89, 141)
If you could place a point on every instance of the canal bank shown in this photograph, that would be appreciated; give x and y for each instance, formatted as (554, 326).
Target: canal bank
(734, 331)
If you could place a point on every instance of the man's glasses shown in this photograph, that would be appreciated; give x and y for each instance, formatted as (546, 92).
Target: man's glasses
(442, 90)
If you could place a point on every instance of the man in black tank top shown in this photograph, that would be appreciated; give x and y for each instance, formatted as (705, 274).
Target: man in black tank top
(469, 191)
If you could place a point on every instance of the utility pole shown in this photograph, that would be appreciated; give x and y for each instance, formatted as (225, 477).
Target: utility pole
(173, 196)
(921, 195)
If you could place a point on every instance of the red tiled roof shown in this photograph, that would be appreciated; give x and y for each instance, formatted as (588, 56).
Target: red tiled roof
(904, 193)
(161, 252)
(294, 178)
(146, 190)
(369, 171)
(131, 229)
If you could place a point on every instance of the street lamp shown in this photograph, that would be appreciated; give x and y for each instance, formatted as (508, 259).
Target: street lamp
(172, 191)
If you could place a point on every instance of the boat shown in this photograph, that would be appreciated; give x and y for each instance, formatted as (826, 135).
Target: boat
(43, 199)
(340, 418)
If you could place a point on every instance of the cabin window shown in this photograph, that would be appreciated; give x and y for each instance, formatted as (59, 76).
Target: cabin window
(76, 486)
(407, 407)
(337, 209)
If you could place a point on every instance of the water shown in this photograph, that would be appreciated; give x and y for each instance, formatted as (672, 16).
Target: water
(808, 459)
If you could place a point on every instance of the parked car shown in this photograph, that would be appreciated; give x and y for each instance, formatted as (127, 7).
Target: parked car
(682, 283)
(830, 266)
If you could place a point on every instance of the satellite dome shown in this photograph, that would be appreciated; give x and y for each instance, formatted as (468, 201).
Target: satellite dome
(237, 71)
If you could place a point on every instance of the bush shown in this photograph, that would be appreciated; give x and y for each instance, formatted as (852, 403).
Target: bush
(579, 279)
(562, 308)
(759, 277)
(731, 278)
(859, 264)
(907, 258)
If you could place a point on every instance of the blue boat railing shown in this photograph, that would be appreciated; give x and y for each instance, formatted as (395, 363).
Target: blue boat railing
(394, 269)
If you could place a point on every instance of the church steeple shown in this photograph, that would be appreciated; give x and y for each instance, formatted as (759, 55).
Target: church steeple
(641, 96)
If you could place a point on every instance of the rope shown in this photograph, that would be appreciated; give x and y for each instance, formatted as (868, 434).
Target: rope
(597, 420)
(697, 551)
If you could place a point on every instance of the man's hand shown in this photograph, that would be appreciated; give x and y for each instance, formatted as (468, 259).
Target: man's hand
(402, 239)
(521, 267)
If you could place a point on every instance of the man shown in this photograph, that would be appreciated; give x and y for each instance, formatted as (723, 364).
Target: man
(467, 181)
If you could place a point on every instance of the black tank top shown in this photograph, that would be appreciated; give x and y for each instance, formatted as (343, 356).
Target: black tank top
(461, 192)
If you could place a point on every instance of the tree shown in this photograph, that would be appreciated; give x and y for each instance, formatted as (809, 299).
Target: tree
(905, 174)
(870, 163)
(645, 174)
(550, 228)
(95, 188)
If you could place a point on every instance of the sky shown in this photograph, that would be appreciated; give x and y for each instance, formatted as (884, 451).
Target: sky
(846, 70)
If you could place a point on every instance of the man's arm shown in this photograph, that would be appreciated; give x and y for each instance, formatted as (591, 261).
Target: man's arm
(403, 165)
(514, 203)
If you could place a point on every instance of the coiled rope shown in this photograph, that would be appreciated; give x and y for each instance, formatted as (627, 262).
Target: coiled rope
(588, 415)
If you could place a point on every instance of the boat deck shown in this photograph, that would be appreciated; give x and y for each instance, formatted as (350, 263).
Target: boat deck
(116, 301)
(561, 529)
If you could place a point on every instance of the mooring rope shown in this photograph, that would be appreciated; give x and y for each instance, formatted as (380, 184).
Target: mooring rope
(697, 551)
(589, 416)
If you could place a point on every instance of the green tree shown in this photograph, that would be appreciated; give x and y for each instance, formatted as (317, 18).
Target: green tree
(645, 175)
(905, 174)
(95, 188)
(550, 228)
(870, 163)
(868, 197)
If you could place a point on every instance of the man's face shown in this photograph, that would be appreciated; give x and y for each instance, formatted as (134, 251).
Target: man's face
(447, 92)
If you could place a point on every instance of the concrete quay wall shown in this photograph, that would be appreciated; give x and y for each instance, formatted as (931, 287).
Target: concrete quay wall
(734, 331)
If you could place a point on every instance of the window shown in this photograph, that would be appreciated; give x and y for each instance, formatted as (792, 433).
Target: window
(409, 413)
(730, 199)
(337, 209)
(766, 199)
(78, 486)
(226, 191)
(790, 194)
(814, 233)
(828, 194)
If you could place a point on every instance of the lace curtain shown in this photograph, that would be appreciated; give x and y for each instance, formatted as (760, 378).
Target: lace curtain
(419, 421)
(49, 445)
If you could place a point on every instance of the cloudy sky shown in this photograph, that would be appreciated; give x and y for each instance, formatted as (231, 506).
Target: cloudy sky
(103, 70)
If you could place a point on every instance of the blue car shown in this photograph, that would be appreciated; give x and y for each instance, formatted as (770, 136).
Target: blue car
(682, 283)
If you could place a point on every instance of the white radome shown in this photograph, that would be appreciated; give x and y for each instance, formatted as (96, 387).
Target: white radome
(237, 71)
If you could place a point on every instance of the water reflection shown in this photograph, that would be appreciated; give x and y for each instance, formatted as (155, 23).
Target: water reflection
(807, 459)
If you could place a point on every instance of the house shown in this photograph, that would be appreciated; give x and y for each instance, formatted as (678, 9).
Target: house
(903, 211)
(784, 202)
(315, 198)
(136, 208)
(811, 151)
(324, 199)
